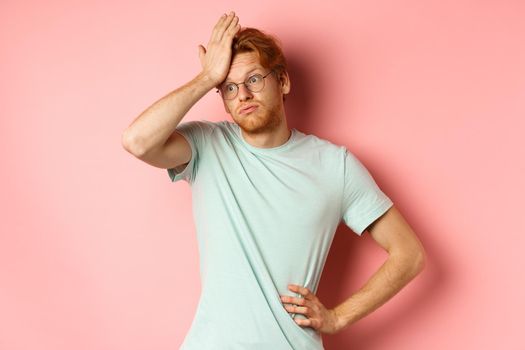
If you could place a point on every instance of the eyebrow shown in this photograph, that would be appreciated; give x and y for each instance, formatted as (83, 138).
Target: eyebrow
(250, 71)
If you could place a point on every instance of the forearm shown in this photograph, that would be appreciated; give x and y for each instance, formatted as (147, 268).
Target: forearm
(389, 279)
(155, 125)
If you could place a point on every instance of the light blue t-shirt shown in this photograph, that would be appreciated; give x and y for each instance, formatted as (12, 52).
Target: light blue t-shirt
(265, 218)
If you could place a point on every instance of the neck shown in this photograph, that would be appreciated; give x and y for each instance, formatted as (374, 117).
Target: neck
(268, 139)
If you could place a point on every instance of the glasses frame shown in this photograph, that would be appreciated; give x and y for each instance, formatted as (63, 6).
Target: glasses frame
(245, 84)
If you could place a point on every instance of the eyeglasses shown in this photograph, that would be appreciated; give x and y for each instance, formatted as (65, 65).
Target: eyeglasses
(254, 83)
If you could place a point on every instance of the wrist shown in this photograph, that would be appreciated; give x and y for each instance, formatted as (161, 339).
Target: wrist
(205, 78)
(342, 321)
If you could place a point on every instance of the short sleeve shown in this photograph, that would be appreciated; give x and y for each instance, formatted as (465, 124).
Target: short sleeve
(196, 132)
(363, 200)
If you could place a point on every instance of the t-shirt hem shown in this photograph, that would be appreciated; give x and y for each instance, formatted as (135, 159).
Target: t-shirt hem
(374, 215)
(184, 174)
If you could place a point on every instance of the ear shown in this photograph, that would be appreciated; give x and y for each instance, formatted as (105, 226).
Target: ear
(284, 80)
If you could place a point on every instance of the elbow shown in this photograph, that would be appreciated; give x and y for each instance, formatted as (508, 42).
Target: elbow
(412, 260)
(420, 262)
(130, 144)
(124, 140)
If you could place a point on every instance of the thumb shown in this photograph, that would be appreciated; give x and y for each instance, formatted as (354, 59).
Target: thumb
(202, 50)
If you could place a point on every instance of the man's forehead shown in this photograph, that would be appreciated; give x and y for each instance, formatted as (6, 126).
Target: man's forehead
(242, 65)
(241, 73)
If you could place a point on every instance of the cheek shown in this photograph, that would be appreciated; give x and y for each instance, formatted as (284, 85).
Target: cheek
(229, 107)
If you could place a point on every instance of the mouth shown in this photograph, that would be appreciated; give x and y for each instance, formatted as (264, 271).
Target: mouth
(248, 109)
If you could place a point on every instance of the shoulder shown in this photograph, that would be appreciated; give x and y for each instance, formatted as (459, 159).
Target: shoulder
(224, 125)
(202, 123)
(201, 126)
(318, 144)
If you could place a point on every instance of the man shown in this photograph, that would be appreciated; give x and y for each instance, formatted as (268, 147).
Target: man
(267, 201)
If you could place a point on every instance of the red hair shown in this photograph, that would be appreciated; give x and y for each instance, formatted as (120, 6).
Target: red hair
(267, 47)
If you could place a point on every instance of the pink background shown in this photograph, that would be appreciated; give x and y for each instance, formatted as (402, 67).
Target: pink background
(98, 249)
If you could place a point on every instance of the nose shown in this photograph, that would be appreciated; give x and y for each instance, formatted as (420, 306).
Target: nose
(243, 93)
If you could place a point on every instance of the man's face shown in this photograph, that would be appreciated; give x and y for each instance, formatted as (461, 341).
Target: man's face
(269, 113)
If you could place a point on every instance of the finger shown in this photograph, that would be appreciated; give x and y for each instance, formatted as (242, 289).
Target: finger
(202, 53)
(303, 291)
(293, 300)
(296, 289)
(232, 29)
(216, 28)
(290, 297)
(224, 26)
(298, 309)
(305, 323)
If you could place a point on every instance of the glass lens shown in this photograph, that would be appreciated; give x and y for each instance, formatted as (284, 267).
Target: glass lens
(254, 82)
(229, 91)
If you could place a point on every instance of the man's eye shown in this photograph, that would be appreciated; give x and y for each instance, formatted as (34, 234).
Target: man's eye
(253, 79)
(230, 87)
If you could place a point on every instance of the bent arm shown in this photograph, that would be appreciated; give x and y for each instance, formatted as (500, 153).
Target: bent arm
(153, 127)
(148, 133)
(387, 281)
(406, 260)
